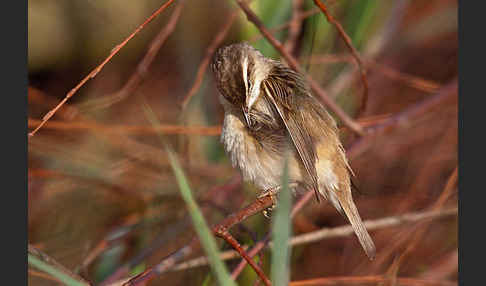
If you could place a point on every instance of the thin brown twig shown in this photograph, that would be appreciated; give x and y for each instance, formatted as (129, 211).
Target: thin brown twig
(448, 92)
(106, 242)
(39, 97)
(352, 49)
(359, 280)
(224, 234)
(95, 71)
(375, 45)
(220, 36)
(93, 254)
(302, 16)
(292, 62)
(371, 225)
(295, 26)
(408, 79)
(142, 69)
(446, 267)
(328, 233)
(157, 129)
(260, 264)
(259, 246)
(210, 203)
(167, 263)
(172, 232)
(373, 120)
(130, 129)
(301, 203)
(449, 188)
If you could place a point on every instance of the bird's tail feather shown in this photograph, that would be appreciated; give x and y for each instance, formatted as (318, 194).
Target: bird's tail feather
(349, 208)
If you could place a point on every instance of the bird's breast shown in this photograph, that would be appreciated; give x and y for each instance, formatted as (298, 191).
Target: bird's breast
(258, 154)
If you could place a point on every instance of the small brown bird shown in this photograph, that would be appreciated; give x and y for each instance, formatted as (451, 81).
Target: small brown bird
(269, 107)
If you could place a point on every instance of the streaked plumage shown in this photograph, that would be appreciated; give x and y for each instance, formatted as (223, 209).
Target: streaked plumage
(269, 108)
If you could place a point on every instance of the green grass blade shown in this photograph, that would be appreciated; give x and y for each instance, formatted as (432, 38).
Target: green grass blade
(204, 233)
(281, 232)
(359, 19)
(365, 21)
(58, 274)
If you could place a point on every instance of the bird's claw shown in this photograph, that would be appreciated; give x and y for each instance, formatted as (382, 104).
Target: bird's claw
(273, 192)
(273, 195)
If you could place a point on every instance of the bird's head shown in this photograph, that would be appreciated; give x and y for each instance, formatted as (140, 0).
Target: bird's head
(239, 70)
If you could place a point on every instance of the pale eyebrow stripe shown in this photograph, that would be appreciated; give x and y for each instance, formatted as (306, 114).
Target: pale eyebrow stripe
(245, 72)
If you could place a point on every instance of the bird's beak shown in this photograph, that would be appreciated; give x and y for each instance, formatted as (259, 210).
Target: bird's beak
(246, 114)
(250, 100)
(252, 95)
(248, 104)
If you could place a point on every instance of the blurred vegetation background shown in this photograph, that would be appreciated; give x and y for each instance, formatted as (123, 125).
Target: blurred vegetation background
(101, 191)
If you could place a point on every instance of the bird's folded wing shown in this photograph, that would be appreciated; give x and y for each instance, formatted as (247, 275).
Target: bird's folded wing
(280, 97)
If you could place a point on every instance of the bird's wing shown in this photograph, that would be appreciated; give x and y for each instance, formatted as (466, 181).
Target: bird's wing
(280, 90)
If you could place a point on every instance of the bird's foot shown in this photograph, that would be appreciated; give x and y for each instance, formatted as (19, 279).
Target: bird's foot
(273, 195)
(273, 192)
